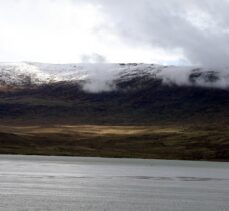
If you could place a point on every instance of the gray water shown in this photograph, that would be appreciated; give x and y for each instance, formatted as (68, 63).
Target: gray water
(65, 183)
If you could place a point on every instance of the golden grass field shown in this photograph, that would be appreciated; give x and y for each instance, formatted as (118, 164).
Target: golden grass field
(89, 130)
(164, 142)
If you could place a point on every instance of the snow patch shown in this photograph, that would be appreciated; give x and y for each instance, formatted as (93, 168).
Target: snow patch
(101, 77)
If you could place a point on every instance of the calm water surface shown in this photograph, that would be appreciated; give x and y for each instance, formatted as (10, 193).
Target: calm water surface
(65, 183)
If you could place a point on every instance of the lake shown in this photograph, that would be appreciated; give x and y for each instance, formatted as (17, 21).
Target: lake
(76, 183)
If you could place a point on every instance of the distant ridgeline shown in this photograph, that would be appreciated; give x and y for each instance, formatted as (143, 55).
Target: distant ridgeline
(113, 93)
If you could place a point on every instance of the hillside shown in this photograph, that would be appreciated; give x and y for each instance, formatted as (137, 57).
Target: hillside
(131, 94)
(137, 110)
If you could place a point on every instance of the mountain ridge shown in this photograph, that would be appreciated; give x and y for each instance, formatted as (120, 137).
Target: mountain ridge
(132, 98)
(102, 77)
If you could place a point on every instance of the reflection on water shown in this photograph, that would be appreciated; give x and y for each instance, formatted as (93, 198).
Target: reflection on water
(65, 183)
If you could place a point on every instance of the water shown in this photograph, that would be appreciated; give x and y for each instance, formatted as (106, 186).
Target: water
(65, 183)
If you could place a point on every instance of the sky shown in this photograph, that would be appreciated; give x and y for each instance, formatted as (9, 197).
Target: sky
(169, 32)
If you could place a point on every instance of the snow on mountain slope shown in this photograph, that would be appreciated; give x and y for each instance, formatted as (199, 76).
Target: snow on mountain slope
(100, 77)
(19, 73)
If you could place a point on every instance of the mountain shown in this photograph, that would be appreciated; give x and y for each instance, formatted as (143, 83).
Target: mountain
(113, 93)
(28, 73)
(114, 110)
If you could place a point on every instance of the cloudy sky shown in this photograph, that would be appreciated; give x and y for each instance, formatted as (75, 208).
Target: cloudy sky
(179, 32)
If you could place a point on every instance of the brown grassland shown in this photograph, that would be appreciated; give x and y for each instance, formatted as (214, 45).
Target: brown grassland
(157, 142)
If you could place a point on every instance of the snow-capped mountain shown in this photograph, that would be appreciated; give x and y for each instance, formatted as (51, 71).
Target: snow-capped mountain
(112, 93)
(101, 77)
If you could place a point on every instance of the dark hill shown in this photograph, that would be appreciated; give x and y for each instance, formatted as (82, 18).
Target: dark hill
(139, 100)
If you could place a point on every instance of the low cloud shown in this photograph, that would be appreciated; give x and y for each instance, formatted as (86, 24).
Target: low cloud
(100, 77)
(93, 58)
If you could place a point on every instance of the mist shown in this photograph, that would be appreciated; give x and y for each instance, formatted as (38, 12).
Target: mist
(100, 77)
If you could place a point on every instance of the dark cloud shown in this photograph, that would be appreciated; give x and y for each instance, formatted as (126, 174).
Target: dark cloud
(199, 29)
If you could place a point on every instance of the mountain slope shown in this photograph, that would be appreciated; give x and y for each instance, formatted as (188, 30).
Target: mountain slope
(94, 75)
(129, 94)
(114, 110)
